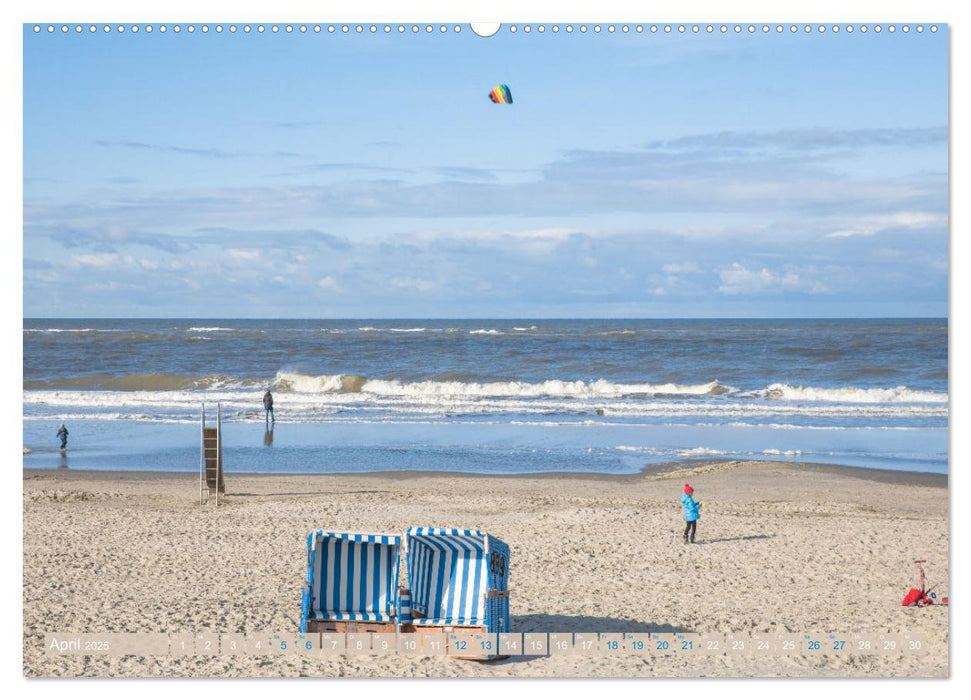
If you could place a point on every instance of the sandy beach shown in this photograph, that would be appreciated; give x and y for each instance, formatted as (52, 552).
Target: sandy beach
(782, 548)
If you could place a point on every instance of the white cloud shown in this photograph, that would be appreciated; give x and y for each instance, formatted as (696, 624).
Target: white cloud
(243, 254)
(100, 287)
(680, 268)
(420, 285)
(95, 259)
(329, 282)
(738, 279)
(872, 225)
(46, 276)
(550, 233)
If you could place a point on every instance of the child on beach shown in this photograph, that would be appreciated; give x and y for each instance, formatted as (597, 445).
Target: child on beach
(692, 511)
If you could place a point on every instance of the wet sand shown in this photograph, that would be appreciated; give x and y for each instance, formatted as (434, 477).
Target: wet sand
(781, 548)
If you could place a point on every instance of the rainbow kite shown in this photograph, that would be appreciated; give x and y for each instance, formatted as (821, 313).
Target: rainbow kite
(500, 95)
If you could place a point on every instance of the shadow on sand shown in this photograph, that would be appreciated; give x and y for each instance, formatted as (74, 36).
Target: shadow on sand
(736, 539)
(328, 494)
(580, 623)
(588, 623)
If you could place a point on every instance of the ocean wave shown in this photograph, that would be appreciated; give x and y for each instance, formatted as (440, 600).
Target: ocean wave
(486, 331)
(145, 382)
(118, 416)
(624, 397)
(331, 383)
(318, 384)
(373, 329)
(72, 330)
(700, 452)
(849, 394)
(244, 404)
(211, 329)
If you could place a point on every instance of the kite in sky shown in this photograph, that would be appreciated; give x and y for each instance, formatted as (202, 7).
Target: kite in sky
(501, 95)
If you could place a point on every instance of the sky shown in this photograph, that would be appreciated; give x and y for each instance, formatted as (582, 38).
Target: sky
(369, 176)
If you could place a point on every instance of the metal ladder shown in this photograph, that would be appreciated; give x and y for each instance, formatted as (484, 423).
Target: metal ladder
(211, 459)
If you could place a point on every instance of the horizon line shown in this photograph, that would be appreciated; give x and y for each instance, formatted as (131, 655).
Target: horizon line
(483, 318)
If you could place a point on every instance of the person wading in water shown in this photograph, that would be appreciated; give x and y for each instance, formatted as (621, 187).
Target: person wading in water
(62, 434)
(268, 406)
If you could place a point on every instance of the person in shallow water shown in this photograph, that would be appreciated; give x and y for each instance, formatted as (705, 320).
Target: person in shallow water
(62, 434)
(268, 406)
(692, 511)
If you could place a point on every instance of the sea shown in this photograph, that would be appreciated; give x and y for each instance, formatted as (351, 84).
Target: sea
(486, 396)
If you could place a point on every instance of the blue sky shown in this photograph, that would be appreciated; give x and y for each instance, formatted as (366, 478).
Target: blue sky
(323, 175)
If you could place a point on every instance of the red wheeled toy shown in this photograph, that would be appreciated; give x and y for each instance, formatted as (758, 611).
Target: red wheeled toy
(922, 596)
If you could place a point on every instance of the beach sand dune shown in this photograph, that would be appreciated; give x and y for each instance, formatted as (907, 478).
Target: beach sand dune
(782, 548)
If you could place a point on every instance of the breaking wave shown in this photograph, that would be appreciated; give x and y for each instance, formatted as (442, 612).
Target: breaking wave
(344, 383)
(288, 381)
(849, 394)
(72, 330)
(700, 452)
(319, 384)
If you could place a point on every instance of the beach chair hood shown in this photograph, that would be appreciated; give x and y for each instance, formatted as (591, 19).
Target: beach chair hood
(458, 577)
(350, 577)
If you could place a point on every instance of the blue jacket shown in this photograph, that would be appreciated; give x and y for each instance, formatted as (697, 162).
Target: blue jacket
(691, 508)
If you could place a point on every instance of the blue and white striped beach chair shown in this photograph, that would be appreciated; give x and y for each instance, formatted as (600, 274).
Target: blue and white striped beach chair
(352, 582)
(458, 578)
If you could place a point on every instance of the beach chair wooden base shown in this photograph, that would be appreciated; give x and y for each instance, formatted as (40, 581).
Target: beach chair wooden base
(342, 626)
(423, 630)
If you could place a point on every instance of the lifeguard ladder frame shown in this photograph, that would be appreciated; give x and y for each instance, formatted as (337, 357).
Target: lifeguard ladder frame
(211, 459)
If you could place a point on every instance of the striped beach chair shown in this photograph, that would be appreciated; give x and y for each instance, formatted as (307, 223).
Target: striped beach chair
(458, 580)
(352, 583)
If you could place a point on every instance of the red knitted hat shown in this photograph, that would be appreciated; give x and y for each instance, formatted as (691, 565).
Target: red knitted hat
(688, 490)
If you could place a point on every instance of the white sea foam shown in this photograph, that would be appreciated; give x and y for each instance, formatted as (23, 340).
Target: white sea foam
(849, 394)
(71, 330)
(308, 384)
(141, 417)
(784, 453)
(485, 331)
(638, 449)
(308, 397)
(210, 329)
(701, 452)
(317, 406)
(558, 388)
